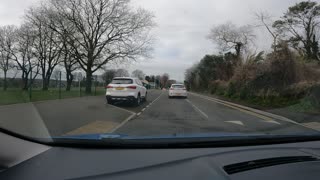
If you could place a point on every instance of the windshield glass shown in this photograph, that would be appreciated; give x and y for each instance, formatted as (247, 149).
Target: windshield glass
(178, 86)
(122, 81)
(209, 68)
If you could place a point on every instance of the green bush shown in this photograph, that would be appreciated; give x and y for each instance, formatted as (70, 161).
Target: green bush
(231, 91)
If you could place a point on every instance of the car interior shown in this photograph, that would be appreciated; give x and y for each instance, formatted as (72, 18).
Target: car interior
(23, 159)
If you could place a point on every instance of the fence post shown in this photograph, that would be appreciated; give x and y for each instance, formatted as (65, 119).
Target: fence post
(79, 87)
(60, 85)
(30, 86)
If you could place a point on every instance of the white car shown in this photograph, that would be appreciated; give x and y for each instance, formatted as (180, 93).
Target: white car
(178, 90)
(126, 89)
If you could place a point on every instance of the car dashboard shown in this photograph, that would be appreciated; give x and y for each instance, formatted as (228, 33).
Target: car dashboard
(283, 161)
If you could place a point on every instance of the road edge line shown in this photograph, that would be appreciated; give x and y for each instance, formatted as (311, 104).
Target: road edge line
(262, 113)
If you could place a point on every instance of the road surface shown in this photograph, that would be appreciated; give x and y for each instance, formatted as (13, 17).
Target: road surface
(199, 114)
(158, 116)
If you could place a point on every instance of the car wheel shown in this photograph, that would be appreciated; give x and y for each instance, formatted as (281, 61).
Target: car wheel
(145, 97)
(110, 102)
(138, 100)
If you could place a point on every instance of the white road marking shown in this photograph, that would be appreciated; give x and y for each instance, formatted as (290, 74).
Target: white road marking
(124, 122)
(139, 114)
(143, 109)
(199, 110)
(236, 122)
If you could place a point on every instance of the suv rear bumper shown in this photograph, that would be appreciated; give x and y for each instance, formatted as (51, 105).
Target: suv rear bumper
(120, 98)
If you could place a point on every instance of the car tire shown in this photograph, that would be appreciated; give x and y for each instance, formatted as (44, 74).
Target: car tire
(137, 101)
(110, 102)
(145, 97)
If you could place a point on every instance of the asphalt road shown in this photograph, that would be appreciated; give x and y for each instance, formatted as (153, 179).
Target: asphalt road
(159, 115)
(198, 114)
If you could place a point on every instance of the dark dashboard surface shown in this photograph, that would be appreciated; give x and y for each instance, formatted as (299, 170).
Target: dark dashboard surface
(202, 163)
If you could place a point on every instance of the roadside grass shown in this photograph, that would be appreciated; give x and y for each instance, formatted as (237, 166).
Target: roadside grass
(15, 95)
(305, 105)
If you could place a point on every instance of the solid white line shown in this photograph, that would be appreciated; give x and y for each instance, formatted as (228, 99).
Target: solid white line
(195, 107)
(123, 123)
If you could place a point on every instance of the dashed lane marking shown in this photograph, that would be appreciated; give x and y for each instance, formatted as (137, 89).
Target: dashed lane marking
(124, 122)
(197, 109)
(132, 116)
(236, 122)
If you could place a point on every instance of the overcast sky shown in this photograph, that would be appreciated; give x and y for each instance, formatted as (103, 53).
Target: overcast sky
(182, 26)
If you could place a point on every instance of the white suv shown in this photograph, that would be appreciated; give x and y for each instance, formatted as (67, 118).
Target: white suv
(126, 89)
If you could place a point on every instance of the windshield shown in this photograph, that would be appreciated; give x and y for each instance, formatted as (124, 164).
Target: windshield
(199, 69)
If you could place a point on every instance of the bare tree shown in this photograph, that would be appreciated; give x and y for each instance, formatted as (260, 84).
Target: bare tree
(164, 80)
(138, 74)
(56, 75)
(121, 73)
(108, 75)
(47, 43)
(23, 55)
(265, 20)
(70, 64)
(7, 41)
(228, 36)
(100, 31)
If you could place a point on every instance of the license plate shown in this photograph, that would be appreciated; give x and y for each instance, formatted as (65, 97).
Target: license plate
(119, 88)
(178, 94)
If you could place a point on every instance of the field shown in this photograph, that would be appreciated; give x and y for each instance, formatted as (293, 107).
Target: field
(15, 95)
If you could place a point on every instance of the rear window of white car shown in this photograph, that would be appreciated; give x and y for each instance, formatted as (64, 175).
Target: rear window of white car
(178, 86)
(122, 81)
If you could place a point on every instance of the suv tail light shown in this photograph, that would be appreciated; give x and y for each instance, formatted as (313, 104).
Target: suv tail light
(132, 87)
(108, 87)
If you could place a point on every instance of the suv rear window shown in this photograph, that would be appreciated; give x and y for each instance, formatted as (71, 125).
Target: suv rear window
(122, 81)
(178, 86)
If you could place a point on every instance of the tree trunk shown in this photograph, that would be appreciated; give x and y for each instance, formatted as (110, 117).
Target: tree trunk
(25, 81)
(5, 81)
(45, 84)
(69, 80)
(88, 81)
